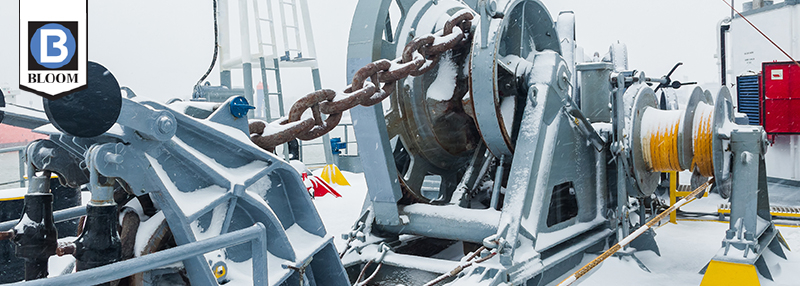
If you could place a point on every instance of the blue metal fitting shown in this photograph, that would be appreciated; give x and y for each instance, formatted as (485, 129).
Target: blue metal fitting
(240, 107)
(337, 145)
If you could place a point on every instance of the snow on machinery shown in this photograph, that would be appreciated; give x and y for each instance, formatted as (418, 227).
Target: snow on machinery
(484, 145)
(215, 208)
(518, 170)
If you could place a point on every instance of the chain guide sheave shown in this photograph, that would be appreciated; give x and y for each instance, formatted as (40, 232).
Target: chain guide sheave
(436, 135)
(89, 112)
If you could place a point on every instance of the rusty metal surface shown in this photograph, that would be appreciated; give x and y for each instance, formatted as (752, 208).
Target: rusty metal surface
(419, 56)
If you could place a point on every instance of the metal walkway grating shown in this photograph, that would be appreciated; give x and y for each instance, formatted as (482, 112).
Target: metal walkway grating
(776, 211)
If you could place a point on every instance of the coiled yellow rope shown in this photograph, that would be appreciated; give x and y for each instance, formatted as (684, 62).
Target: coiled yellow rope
(659, 133)
(701, 143)
(660, 139)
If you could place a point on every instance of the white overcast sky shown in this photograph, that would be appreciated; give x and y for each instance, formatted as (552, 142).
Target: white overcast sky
(160, 48)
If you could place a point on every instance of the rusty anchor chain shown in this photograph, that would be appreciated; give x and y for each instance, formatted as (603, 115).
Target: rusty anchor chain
(419, 56)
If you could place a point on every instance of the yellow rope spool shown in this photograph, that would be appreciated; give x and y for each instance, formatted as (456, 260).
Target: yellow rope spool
(702, 135)
(660, 130)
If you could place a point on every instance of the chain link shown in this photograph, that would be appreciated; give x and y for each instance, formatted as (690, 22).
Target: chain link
(419, 56)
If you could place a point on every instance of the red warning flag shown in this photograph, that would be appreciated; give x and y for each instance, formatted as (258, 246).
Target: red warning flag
(321, 188)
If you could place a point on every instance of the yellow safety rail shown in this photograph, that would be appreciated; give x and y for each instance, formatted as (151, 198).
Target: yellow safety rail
(677, 191)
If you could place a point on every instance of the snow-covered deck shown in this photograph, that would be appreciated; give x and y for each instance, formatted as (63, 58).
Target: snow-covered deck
(685, 247)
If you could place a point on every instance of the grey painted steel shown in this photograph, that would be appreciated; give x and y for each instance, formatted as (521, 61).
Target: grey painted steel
(513, 37)
(13, 149)
(168, 154)
(686, 147)
(45, 155)
(58, 216)
(436, 221)
(623, 228)
(745, 200)
(572, 110)
(350, 163)
(278, 88)
(550, 157)
(645, 181)
(101, 194)
(379, 167)
(498, 182)
(601, 176)
(541, 165)
(751, 230)
(256, 234)
(365, 46)
(595, 89)
(723, 113)
(151, 124)
(225, 78)
(470, 179)
(326, 139)
(565, 27)
(279, 92)
(619, 56)
(265, 89)
(247, 71)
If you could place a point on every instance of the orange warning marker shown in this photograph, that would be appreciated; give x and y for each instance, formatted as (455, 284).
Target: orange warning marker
(333, 175)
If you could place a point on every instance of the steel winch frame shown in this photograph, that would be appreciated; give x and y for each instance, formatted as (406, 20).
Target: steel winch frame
(602, 166)
(253, 205)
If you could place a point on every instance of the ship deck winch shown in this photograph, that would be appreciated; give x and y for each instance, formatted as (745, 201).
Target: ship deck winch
(497, 143)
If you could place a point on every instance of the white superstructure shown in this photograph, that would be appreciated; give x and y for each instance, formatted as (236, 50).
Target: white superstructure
(742, 50)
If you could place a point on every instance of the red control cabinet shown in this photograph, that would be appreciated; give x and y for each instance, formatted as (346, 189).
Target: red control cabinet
(780, 98)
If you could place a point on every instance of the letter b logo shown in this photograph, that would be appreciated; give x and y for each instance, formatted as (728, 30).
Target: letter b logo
(52, 45)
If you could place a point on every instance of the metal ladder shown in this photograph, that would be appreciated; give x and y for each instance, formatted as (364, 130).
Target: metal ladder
(294, 26)
(262, 43)
(291, 48)
(268, 49)
(278, 91)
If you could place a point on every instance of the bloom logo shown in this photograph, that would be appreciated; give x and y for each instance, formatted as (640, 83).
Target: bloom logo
(53, 60)
(53, 46)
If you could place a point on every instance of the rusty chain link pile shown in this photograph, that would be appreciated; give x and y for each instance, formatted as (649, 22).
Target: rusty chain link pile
(419, 56)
